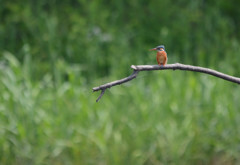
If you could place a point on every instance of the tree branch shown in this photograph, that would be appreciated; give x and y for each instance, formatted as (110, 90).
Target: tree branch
(177, 66)
(117, 82)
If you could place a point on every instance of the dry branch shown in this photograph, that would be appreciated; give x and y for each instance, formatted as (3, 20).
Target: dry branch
(177, 66)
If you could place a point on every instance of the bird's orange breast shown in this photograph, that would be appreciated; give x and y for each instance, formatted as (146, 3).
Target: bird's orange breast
(162, 58)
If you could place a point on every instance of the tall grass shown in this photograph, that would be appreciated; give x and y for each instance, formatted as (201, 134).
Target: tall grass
(151, 120)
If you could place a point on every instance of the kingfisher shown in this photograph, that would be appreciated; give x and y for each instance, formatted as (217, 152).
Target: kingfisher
(161, 55)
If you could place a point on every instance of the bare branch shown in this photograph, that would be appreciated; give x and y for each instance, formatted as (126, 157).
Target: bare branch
(177, 66)
(117, 82)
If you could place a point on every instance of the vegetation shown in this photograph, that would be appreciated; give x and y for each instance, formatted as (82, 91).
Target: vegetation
(53, 52)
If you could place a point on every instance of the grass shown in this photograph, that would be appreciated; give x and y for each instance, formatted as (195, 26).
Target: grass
(151, 120)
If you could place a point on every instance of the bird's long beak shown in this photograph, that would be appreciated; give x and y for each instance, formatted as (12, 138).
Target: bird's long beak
(153, 49)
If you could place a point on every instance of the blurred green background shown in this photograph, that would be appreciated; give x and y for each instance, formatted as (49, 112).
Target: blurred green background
(53, 52)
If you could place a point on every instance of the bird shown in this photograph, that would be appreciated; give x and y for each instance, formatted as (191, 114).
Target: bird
(161, 55)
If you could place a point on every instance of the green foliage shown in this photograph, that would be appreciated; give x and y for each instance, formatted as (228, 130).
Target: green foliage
(53, 52)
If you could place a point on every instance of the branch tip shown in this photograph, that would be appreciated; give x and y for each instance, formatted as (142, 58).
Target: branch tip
(99, 97)
(134, 67)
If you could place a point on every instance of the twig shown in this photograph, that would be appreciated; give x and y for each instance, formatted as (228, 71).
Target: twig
(117, 82)
(103, 90)
(177, 66)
